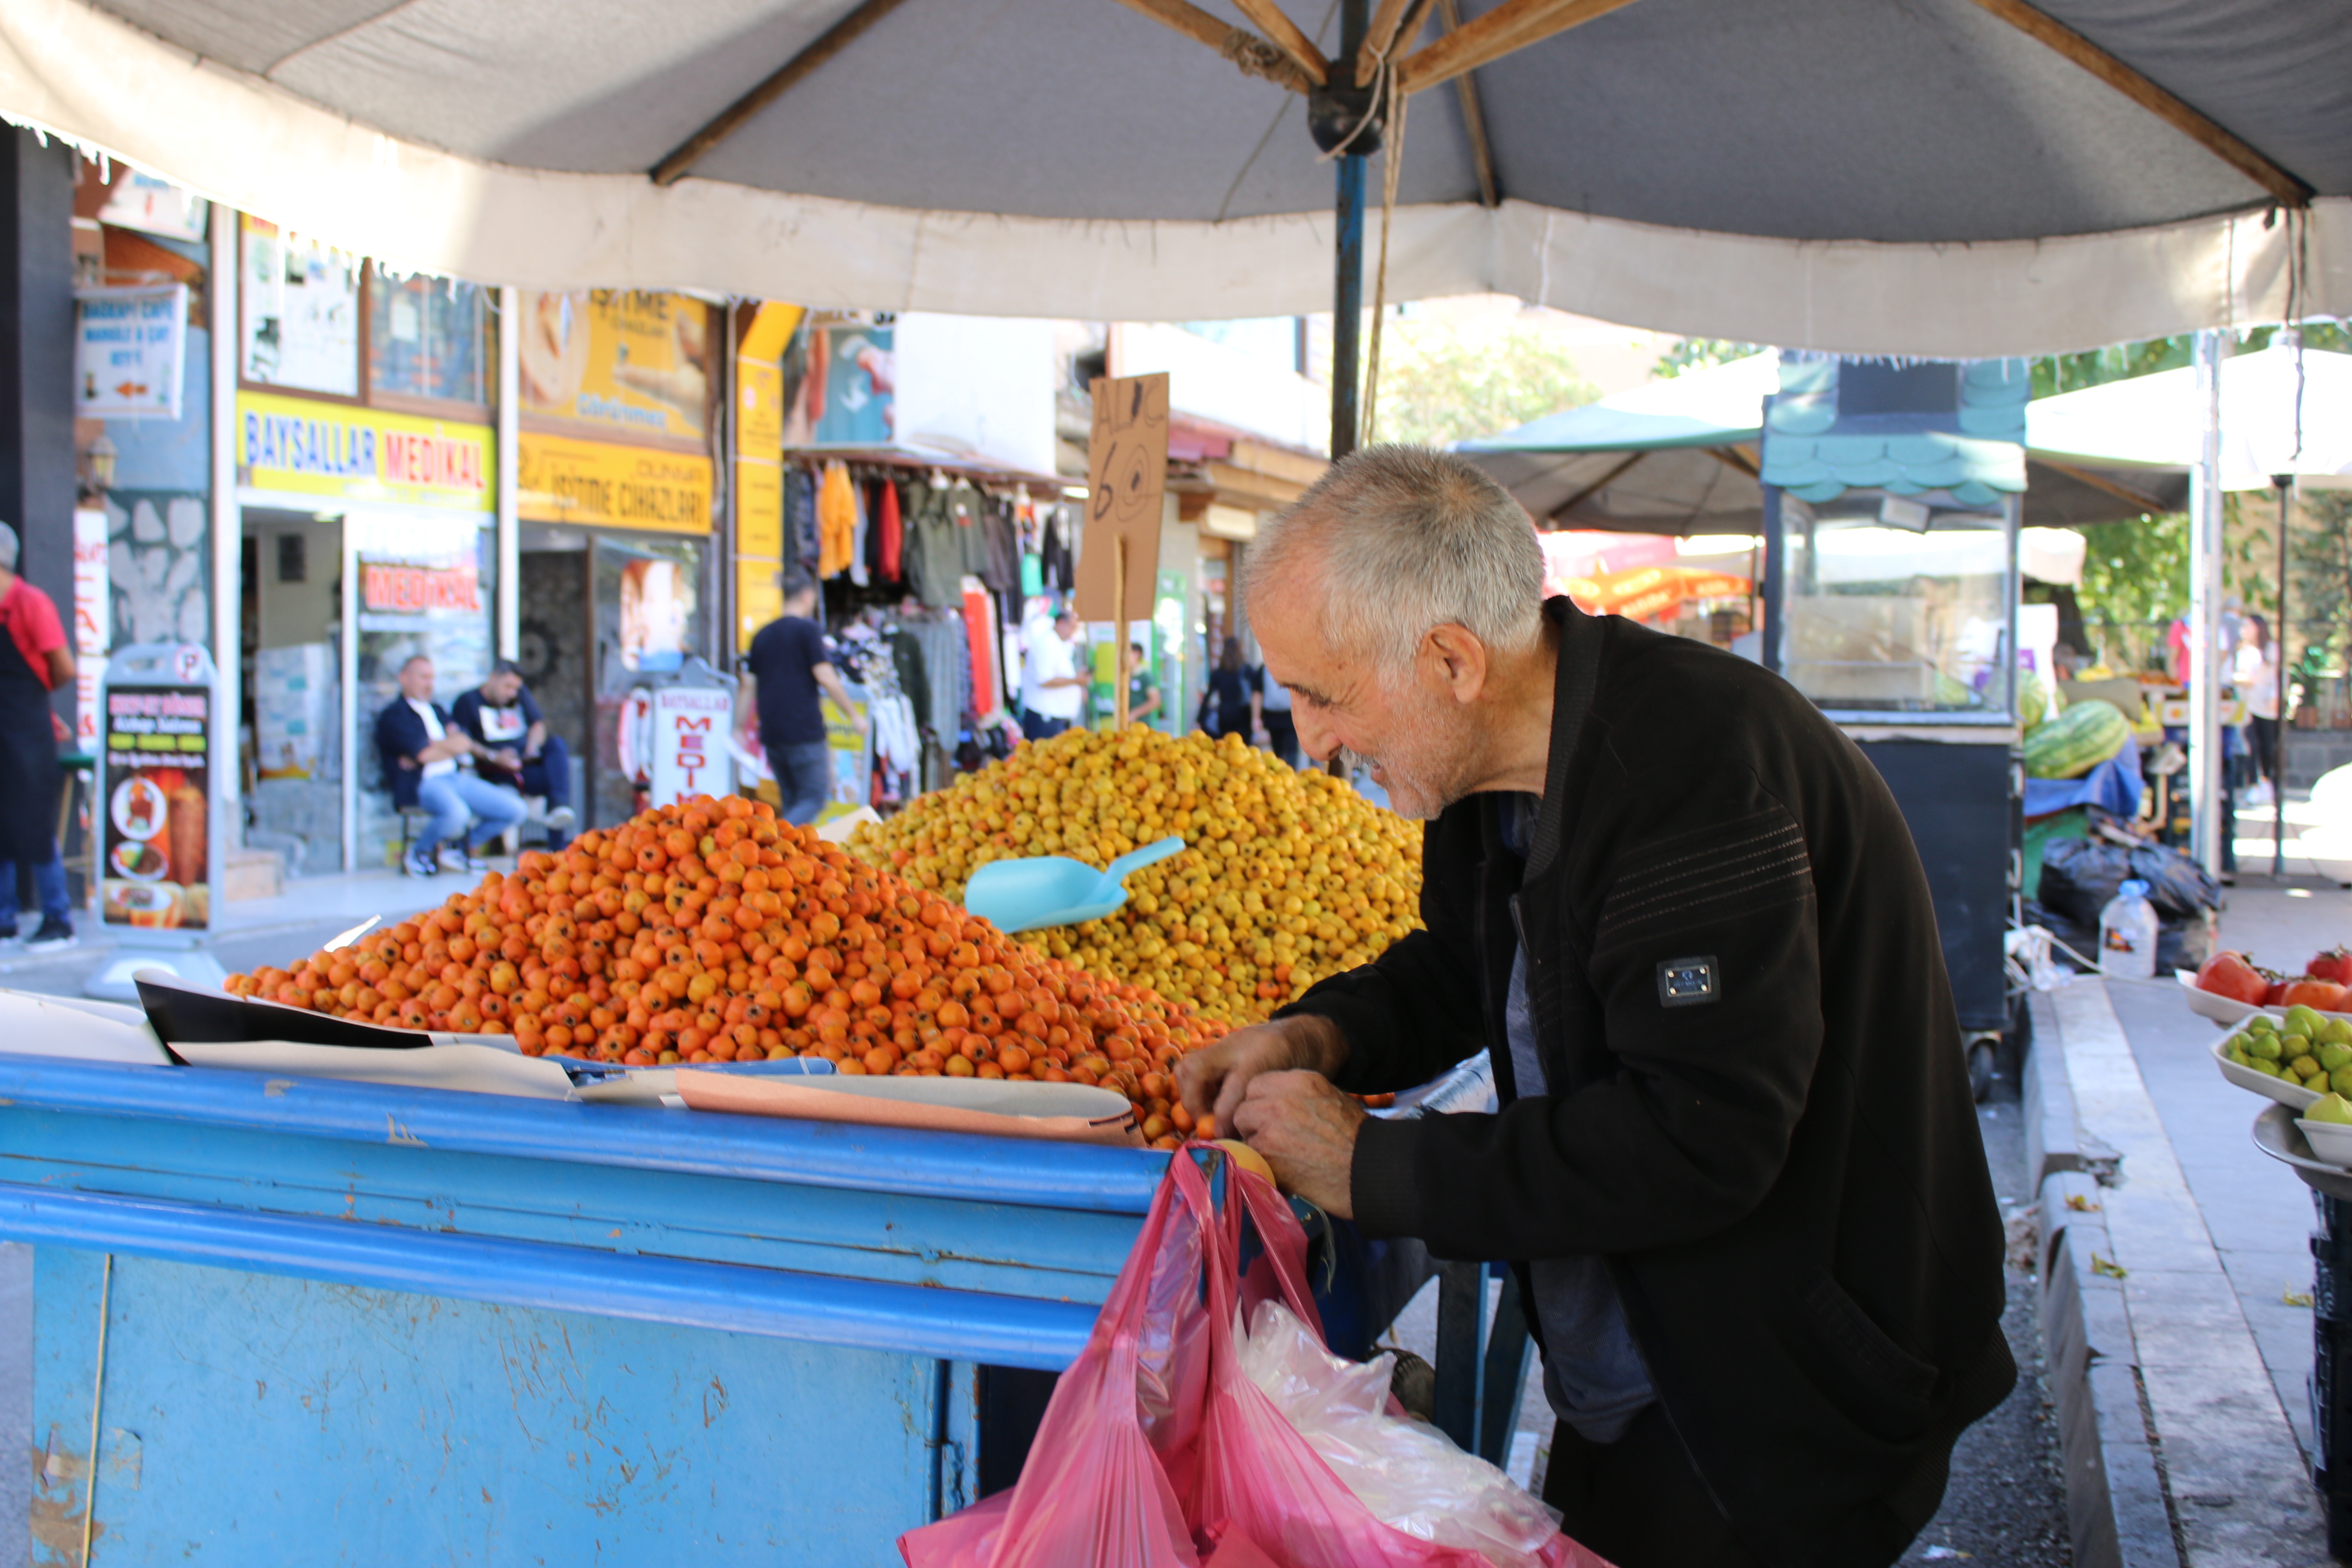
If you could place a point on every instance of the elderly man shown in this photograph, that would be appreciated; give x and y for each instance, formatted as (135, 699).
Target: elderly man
(1736, 1165)
(420, 749)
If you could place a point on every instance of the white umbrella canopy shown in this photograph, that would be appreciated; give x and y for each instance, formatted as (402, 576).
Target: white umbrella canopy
(1952, 177)
(2285, 410)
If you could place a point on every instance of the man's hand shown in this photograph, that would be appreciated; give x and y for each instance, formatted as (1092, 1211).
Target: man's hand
(1213, 1080)
(1307, 1131)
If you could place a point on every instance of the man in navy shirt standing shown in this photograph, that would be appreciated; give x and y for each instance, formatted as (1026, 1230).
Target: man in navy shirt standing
(515, 748)
(789, 667)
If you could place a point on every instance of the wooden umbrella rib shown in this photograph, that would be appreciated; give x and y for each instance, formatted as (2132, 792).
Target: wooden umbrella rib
(1512, 25)
(1473, 117)
(1253, 54)
(1284, 35)
(1597, 486)
(1379, 34)
(2213, 137)
(732, 118)
(2100, 482)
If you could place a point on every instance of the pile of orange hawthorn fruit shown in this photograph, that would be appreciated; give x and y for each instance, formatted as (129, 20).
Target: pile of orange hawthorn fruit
(708, 932)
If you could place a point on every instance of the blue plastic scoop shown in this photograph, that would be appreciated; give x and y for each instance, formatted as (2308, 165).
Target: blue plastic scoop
(1054, 891)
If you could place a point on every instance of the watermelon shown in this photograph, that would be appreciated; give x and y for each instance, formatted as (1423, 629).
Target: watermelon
(2033, 701)
(2078, 741)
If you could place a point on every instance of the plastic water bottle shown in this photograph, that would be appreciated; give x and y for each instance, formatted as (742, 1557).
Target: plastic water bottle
(2127, 934)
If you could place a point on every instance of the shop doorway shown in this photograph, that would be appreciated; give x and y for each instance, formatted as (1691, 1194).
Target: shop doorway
(599, 614)
(289, 725)
(554, 639)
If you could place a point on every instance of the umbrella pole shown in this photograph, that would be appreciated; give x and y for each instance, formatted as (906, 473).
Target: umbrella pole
(1348, 308)
(2207, 822)
(2278, 725)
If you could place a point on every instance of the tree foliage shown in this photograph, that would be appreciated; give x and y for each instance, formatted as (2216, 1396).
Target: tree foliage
(1686, 354)
(1443, 381)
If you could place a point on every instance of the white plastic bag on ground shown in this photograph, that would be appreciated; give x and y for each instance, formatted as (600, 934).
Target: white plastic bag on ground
(1407, 1472)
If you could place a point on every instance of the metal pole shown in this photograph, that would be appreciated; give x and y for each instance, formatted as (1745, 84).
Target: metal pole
(2278, 723)
(1348, 290)
(1776, 578)
(510, 533)
(2206, 826)
(226, 811)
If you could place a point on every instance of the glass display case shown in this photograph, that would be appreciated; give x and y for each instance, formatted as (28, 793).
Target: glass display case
(1889, 609)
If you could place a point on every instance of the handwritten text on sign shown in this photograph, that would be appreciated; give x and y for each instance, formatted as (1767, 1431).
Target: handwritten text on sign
(1127, 475)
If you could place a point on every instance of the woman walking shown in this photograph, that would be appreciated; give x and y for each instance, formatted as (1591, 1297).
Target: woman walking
(2256, 674)
(1225, 705)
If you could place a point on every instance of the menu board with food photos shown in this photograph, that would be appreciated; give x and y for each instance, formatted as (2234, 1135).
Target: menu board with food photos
(157, 862)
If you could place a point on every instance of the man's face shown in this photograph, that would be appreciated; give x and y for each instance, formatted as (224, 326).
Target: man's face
(416, 680)
(502, 689)
(1065, 626)
(1421, 745)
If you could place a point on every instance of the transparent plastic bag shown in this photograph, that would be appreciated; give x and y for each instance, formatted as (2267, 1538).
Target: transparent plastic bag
(1408, 1474)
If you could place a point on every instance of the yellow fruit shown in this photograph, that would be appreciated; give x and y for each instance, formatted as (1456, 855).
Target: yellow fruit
(1287, 877)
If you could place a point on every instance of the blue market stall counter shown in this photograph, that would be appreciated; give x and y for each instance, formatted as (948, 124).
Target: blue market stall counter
(341, 1323)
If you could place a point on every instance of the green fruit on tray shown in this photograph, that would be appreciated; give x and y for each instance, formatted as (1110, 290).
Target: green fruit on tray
(2305, 1021)
(2263, 1047)
(2267, 1069)
(2336, 1031)
(2304, 1067)
(2332, 1056)
(2330, 1108)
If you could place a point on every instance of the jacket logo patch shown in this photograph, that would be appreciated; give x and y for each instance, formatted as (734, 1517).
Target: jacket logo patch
(1688, 981)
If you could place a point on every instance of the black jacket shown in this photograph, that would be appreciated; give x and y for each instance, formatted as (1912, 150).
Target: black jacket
(1785, 1173)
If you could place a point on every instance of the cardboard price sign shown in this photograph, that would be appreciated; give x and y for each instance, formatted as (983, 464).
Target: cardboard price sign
(1127, 475)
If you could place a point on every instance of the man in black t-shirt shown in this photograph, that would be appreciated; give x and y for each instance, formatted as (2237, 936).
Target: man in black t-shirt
(789, 665)
(515, 748)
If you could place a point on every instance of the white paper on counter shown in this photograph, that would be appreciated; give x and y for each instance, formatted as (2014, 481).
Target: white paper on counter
(481, 1068)
(37, 1025)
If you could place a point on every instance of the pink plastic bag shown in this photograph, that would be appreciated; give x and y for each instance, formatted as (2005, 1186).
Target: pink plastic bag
(1158, 1449)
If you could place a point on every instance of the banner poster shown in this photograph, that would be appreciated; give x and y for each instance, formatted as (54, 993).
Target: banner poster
(156, 862)
(559, 480)
(840, 383)
(130, 352)
(617, 362)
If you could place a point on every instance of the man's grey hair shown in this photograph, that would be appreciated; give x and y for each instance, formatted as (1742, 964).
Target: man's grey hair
(1405, 539)
(8, 548)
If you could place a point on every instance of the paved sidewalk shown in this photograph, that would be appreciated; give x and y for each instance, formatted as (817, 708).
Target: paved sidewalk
(2185, 1281)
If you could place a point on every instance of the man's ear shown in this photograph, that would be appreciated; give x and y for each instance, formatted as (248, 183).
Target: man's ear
(1457, 659)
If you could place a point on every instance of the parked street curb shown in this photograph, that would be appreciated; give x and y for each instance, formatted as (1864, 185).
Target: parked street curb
(2115, 1511)
(2178, 1451)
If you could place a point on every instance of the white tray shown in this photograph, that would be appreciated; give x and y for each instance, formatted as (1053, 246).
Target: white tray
(2226, 1011)
(2295, 1097)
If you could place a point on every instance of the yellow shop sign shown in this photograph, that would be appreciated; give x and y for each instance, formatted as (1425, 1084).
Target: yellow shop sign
(559, 480)
(361, 454)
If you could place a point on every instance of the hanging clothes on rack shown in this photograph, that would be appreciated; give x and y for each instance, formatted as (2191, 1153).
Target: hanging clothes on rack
(892, 534)
(979, 620)
(1056, 560)
(857, 572)
(801, 546)
(836, 518)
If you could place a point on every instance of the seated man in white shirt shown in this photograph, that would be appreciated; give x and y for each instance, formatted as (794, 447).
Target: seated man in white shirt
(420, 750)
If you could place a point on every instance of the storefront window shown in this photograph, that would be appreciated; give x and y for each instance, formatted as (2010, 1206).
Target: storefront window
(298, 313)
(1892, 619)
(426, 338)
(425, 587)
(650, 617)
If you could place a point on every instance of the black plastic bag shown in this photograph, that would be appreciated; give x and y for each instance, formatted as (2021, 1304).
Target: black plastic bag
(2079, 875)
